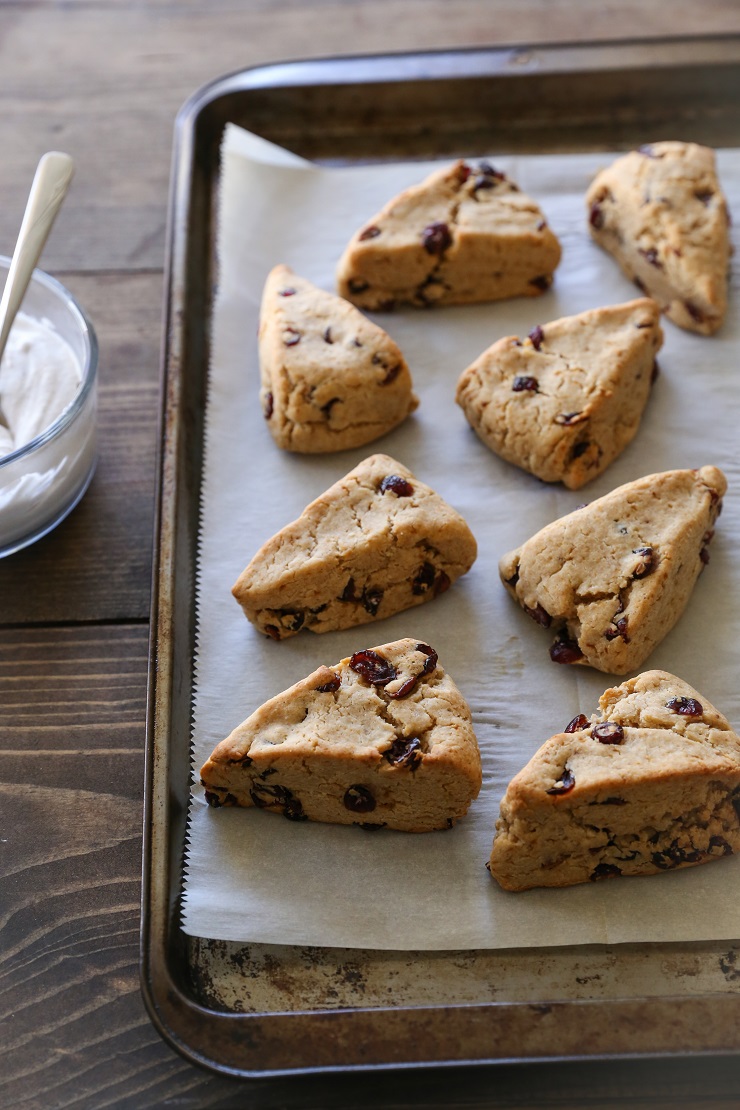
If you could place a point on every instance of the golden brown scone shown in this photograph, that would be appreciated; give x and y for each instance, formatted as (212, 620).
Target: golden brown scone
(383, 738)
(662, 214)
(376, 542)
(465, 234)
(651, 783)
(567, 400)
(331, 379)
(612, 578)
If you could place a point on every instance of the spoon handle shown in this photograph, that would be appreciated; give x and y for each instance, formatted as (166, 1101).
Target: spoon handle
(50, 184)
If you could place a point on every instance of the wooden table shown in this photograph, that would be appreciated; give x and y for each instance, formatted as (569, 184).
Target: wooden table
(103, 80)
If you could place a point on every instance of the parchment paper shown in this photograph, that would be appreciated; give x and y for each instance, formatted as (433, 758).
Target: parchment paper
(252, 876)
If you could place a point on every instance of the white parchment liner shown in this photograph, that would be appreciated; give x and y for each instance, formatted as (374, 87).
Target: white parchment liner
(252, 876)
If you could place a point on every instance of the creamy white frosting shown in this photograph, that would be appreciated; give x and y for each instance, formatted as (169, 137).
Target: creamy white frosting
(39, 378)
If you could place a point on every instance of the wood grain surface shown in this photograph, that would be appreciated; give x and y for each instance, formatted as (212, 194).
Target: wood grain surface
(104, 80)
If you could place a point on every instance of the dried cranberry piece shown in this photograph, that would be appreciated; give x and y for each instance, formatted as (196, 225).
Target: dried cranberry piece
(687, 707)
(410, 684)
(348, 593)
(567, 418)
(604, 871)
(714, 842)
(695, 313)
(542, 281)
(289, 292)
(609, 732)
(371, 232)
(704, 197)
(436, 238)
(371, 599)
(647, 562)
(576, 724)
(373, 667)
(596, 216)
(619, 629)
(358, 285)
(565, 783)
(565, 651)
(432, 657)
(704, 555)
(331, 685)
(358, 799)
(400, 486)
(218, 800)
(291, 336)
(327, 336)
(272, 631)
(424, 579)
(538, 614)
(269, 406)
(524, 382)
(541, 225)
(651, 255)
(442, 584)
(537, 337)
(404, 752)
(391, 374)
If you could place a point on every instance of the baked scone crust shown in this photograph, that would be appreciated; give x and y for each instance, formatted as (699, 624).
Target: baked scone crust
(565, 402)
(651, 783)
(376, 542)
(661, 213)
(612, 578)
(330, 378)
(463, 235)
(383, 738)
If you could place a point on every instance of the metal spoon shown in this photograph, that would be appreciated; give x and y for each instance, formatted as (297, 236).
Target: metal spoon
(48, 190)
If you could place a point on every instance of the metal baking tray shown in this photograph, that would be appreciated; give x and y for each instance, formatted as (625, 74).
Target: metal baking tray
(259, 1010)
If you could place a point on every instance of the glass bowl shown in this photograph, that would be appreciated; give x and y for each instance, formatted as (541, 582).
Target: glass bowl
(42, 481)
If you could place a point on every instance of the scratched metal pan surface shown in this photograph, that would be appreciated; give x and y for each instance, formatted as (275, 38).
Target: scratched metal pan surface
(260, 1010)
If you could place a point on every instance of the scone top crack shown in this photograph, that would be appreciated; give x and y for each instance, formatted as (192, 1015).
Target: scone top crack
(649, 783)
(612, 578)
(661, 213)
(376, 542)
(382, 739)
(330, 378)
(466, 234)
(565, 401)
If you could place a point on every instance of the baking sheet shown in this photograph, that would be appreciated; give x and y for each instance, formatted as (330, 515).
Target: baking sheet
(253, 877)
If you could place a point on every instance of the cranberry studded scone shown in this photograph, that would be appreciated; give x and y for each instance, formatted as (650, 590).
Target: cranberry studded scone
(650, 783)
(612, 578)
(465, 234)
(331, 379)
(376, 542)
(383, 738)
(661, 213)
(564, 402)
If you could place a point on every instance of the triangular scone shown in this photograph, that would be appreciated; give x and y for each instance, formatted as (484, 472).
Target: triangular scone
(331, 379)
(660, 211)
(382, 738)
(651, 783)
(376, 542)
(564, 402)
(465, 234)
(611, 578)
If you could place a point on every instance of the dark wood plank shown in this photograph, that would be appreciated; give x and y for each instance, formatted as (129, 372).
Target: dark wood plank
(97, 564)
